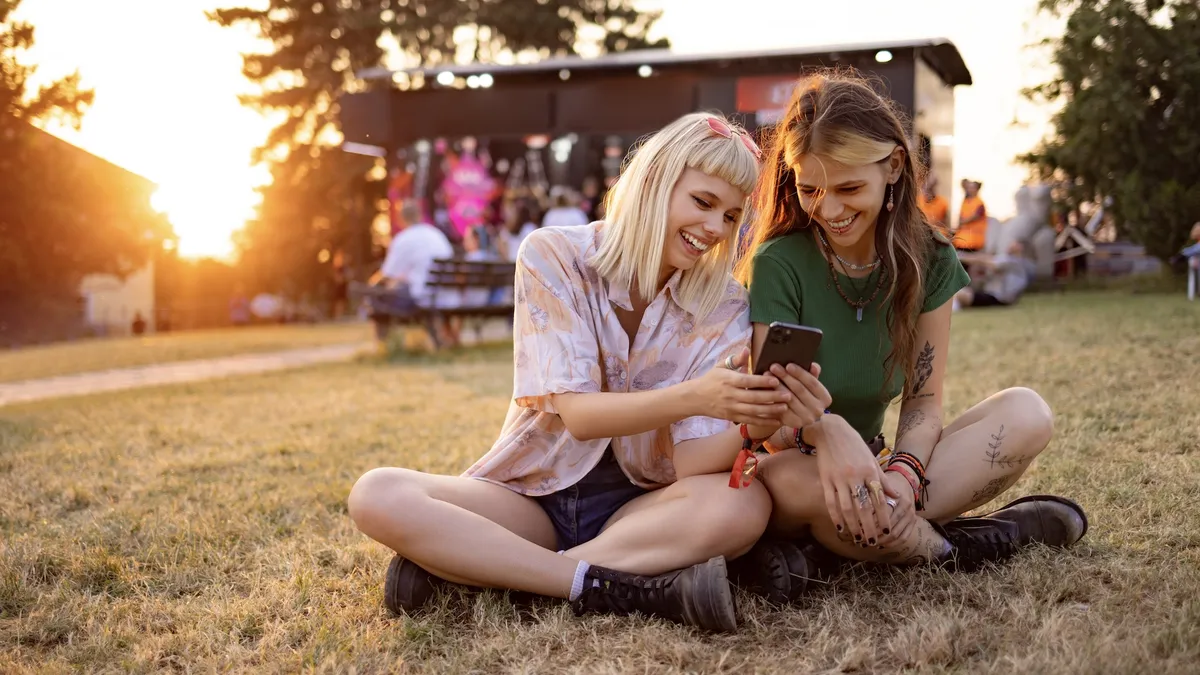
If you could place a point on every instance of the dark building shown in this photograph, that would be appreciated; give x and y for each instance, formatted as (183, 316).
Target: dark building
(581, 106)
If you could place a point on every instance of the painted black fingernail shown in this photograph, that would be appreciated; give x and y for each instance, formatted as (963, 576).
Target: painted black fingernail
(858, 537)
(871, 541)
(839, 527)
(886, 531)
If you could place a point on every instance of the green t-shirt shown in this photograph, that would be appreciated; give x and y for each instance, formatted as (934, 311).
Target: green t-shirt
(790, 283)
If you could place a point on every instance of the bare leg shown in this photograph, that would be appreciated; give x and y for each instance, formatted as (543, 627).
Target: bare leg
(463, 530)
(985, 451)
(979, 456)
(680, 525)
(480, 534)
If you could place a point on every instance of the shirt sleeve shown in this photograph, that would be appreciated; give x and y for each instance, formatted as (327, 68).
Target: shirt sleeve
(946, 277)
(730, 329)
(774, 292)
(554, 341)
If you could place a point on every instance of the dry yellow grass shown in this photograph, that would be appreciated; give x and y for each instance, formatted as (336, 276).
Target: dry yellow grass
(101, 354)
(203, 527)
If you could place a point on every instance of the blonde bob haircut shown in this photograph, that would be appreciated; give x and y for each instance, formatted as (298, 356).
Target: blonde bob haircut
(635, 223)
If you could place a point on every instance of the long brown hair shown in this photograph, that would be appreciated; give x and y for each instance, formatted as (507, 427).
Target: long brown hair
(837, 114)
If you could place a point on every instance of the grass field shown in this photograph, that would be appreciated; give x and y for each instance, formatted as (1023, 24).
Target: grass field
(203, 527)
(101, 354)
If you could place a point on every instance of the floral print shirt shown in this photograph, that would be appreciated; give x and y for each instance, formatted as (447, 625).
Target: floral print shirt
(567, 338)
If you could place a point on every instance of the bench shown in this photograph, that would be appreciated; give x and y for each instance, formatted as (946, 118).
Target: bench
(466, 289)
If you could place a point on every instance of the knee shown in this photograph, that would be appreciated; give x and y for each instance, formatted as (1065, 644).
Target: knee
(735, 519)
(795, 490)
(376, 496)
(1036, 418)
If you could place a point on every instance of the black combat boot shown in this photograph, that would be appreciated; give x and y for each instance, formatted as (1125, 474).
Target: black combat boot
(696, 596)
(408, 587)
(1037, 519)
(776, 569)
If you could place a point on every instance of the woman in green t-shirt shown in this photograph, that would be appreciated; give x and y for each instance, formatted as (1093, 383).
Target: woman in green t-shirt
(839, 243)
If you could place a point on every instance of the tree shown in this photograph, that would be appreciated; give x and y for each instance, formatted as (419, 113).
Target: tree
(63, 213)
(1128, 129)
(322, 198)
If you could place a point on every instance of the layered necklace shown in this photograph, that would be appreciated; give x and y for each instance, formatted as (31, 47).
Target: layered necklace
(860, 303)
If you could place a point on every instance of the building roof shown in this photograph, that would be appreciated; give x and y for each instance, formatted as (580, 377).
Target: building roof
(92, 163)
(940, 53)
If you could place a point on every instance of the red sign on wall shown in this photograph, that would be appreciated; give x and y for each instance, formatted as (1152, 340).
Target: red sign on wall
(765, 92)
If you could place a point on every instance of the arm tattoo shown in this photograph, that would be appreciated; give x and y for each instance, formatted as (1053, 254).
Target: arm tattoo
(993, 456)
(909, 421)
(922, 371)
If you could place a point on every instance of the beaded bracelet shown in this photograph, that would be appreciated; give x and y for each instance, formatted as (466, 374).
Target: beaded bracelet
(806, 448)
(919, 483)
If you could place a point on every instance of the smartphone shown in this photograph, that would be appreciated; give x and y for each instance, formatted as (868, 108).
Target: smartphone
(787, 343)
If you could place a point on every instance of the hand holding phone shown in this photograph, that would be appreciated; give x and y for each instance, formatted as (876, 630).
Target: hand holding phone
(788, 353)
(786, 344)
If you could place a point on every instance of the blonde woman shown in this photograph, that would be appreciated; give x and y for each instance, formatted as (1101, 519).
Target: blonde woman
(609, 485)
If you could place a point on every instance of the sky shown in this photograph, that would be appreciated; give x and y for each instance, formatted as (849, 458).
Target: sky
(166, 99)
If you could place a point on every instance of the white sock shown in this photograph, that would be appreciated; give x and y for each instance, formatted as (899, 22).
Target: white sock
(581, 571)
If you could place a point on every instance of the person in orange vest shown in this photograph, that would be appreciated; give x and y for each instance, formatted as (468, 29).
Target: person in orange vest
(935, 207)
(972, 219)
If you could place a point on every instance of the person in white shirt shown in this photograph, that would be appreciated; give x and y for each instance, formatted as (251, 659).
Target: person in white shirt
(410, 256)
(566, 211)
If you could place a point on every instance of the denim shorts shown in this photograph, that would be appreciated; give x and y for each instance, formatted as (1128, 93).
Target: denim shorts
(580, 511)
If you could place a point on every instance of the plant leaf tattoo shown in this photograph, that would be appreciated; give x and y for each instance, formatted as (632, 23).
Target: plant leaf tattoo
(909, 421)
(993, 456)
(923, 370)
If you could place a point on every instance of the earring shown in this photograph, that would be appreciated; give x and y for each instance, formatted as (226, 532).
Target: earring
(891, 204)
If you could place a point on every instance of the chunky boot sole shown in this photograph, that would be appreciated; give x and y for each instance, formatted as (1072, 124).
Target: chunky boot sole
(776, 570)
(708, 604)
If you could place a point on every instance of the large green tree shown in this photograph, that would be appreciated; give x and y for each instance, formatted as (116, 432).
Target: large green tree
(321, 198)
(1128, 129)
(63, 213)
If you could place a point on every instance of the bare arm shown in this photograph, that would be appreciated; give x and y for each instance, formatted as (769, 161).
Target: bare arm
(608, 414)
(920, 426)
(720, 393)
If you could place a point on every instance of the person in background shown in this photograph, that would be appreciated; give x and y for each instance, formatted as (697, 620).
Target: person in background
(566, 211)
(340, 286)
(593, 200)
(239, 307)
(519, 223)
(971, 234)
(998, 280)
(410, 256)
(935, 207)
(1193, 252)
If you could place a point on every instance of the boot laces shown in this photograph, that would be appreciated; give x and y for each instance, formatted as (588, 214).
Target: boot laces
(977, 545)
(619, 592)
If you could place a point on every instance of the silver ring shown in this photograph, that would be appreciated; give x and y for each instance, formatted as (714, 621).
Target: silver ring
(729, 362)
(890, 502)
(863, 496)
